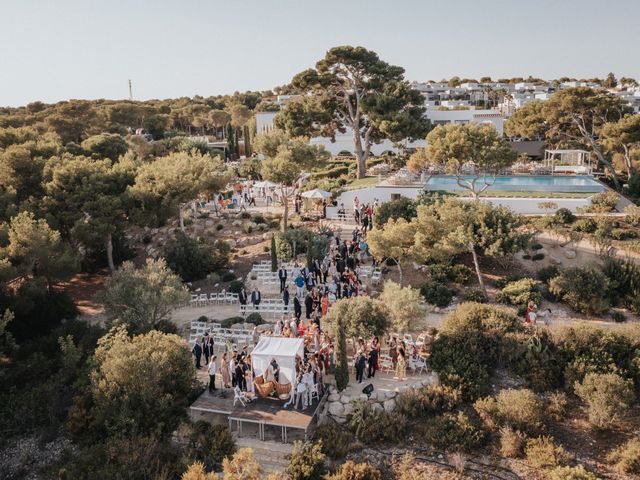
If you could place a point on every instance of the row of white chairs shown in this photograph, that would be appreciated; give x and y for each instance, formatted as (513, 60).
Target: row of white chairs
(266, 308)
(202, 299)
(417, 365)
(420, 340)
(220, 335)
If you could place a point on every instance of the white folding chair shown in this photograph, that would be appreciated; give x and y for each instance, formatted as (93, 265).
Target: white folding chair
(213, 298)
(238, 396)
(194, 299)
(203, 299)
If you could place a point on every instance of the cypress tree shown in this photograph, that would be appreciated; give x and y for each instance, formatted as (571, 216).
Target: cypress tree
(231, 143)
(274, 256)
(342, 366)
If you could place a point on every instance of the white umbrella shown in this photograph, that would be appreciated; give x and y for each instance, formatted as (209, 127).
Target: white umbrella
(264, 184)
(316, 193)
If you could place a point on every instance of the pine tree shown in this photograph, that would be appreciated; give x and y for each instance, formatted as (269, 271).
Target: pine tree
(274, 255)
(342, 367)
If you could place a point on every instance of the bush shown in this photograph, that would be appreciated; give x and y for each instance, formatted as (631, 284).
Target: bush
(537, 246)
(461, 274)
(634, 184)
(557, 406)
(537, 256)
(228, 322)
(335, 440)
(355, 471)
(372, 426)
(542, 452)
(228, 277)
(511, 442)
(585, 289)
(467, 350)
(571, 473)
(621, 234)
(258, 218)
(585, 225)
(474, 295)
(216, 441)
(632, 214)
(436, 294)
(604, 201)
(193, 260)
(545, 274)
(455, 432)
(626, 457)
(520, 292)
(254, 318)
(618, 317)
(235, 286)
(306, 461)
(427, 401)
(504, 281)
(518, 409)
(608, 397)
(302, 240)
(564, 216)
(219, 226)
(402, 207)
(439, 273)
(247, 228)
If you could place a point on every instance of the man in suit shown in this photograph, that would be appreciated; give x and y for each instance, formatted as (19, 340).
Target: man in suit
(308, 305)
(317, 270)
(282, 275)
(285, 298)
(297, 307)
(242, 297)
(255, 298)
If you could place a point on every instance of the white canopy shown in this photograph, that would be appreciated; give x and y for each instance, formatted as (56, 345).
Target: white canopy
(264, 184)
(316, 193)
(283, 350)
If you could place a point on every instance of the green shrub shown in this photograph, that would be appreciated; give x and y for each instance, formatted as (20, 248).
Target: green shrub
(306, 461)
(219, 226)
(534, 356)
(537, 256)
(474, 295)
(564, 216)
(402, 207)
(468, 347)
(254, 318)
(245, 215)
(228, 277)
(585, 289)
(228, 322)
(511, 442)
(604, 201)
(351, 470)
(632, 214)
(235, 286)
(526, 256)
(542, 452)
(439, 273)
(634, 184)
(335, 439)
(258, 218)
(520, 292)
(427, 401)
(585, 225)
(372, 426)
(436, 294)
(626, 457)
(618, 317)
(215, 441)
(608, 397)
(302, 240)
(461, 274)
(193, 260)
(557, 406)
(518, 409)
(571, 473)
(537, 246)
(455, 432)
(545, 274)
(622, 234)
(504, 281)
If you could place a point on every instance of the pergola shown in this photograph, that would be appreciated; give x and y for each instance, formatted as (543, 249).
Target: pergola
(568, 161)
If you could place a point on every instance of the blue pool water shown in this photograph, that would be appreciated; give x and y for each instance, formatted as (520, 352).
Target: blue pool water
(524, 183)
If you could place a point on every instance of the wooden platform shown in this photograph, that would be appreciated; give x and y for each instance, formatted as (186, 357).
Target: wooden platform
(261, 412)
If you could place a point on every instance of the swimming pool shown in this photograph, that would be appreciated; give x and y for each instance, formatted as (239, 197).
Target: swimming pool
(524, 183)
